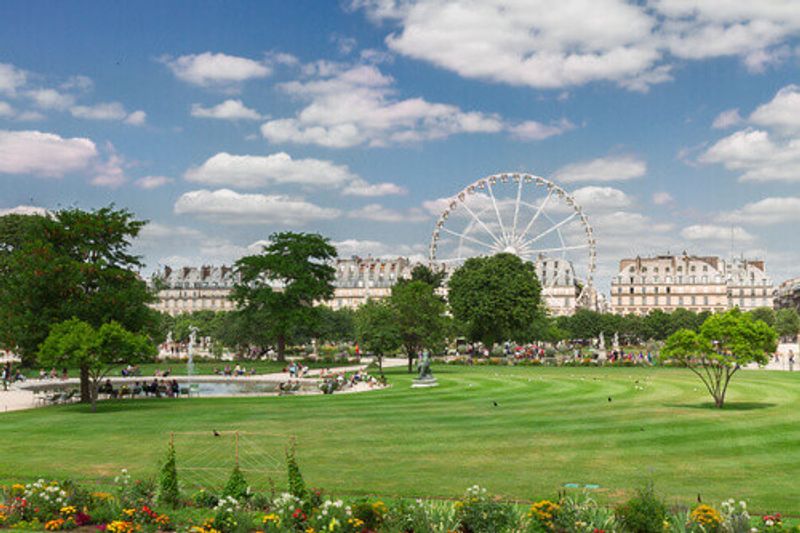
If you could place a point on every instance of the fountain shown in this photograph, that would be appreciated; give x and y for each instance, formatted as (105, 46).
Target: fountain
(192, 340)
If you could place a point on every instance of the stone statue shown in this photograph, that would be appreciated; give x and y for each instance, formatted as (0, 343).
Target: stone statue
(169, 337)
(602, 342)
(424, 365)
(192, 336)
(616, 340)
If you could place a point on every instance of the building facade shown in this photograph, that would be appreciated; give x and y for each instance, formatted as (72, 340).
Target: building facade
(359, 279)
(696, 283)
(787, 296)
(189, 289)
(560, 289)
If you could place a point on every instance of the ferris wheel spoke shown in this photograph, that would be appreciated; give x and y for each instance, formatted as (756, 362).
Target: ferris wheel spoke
(558, 249)
(536, 215)
(516, 209)
(467, 237)
(496, 211)
(551, 229)
(480, 222)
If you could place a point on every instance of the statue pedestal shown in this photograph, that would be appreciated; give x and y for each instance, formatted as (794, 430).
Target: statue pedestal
(602, 355)
(425, 383)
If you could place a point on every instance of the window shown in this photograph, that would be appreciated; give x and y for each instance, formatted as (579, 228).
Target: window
(668, 290)
(705, 268)
(631, 290)
(693, 268)
(655, 269)
(644, 269)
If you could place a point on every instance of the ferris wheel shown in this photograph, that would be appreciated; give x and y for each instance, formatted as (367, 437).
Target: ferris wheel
(524, 215)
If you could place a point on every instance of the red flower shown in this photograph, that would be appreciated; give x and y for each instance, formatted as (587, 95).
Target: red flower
(82, 519)
(298, 513)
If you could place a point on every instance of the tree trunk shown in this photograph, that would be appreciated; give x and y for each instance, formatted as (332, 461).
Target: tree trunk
(281, 348)
(94, 396)
(380, 364)
(86, 393)
(411, 355)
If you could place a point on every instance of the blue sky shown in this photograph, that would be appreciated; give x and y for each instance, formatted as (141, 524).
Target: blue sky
(674, 123)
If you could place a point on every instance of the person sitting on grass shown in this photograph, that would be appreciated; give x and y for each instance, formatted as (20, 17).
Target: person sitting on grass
(176, 389)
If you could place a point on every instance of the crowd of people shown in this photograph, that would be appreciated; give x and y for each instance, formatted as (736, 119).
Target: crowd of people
(157, 388)
(236, 371)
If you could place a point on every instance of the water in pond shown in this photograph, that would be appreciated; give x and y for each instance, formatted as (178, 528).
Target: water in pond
(216, 388)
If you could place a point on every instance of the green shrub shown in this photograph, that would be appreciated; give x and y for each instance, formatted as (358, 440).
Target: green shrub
(237, 485)
(477, 512)
(168, 491)
(644, 513)
(204, 498)
(297, 486)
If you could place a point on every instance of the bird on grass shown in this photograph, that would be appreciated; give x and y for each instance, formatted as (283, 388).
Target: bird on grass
(216, 434)
(609, 399)
(495, 403)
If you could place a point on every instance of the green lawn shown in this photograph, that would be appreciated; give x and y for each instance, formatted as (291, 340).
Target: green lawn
(552, 426)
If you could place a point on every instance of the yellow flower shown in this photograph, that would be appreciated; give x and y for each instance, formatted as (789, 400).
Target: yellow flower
(120, 526)
(54, 525)
(705, 515)
(102, 496)
(129, 512)
(162, 519)
(333, 524)
(68, 510)
(272, 518)
(310, 530)
(380, 508)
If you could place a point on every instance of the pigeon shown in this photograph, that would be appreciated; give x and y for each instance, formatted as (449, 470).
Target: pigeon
(216, 434)
(609, 398)
(495, 404)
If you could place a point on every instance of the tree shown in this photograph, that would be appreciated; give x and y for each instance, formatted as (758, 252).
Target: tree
(76, 343)
(725, 343)
(377, 327)
(496, 297)
(426, 274)
(420, 317)
(787, 323)
(765, 314)
(72, 263)
(278, 287)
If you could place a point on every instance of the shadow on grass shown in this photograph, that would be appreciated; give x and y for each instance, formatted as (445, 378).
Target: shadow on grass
(112, 406)
(729, 406)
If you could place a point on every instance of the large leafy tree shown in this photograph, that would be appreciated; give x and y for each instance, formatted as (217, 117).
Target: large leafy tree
(787, 322)
(725, 343)
(497, 298)
(377, 328)
(72, 263)
(75, 343)
(279, 286)
(420, 316)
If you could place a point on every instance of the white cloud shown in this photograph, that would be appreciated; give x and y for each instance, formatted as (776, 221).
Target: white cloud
(609, 168)
(110, 173)
(215, 70)
(771, 210)
(350, 105)
(726, 119)
(782, 113)
(101, 111)
(227, 110)
(24, 210)
(594, 199)
(364, 248)
(662, 198)
(362, 188)
(11, 78)
(51, 99)
(229, 207)
(538, 43)
(6, 110)
(530, 130)
(152, 182)
(768, 152)
(137, 118)
(44, 154)
(250, 171)
(711, 233)
(30, 116)
(379, 213)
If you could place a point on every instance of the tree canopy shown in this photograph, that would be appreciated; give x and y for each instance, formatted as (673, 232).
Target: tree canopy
(75, 343)
(724, 344)
(377, 328)
(496, 298)
(297, 265)
(420, 316)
